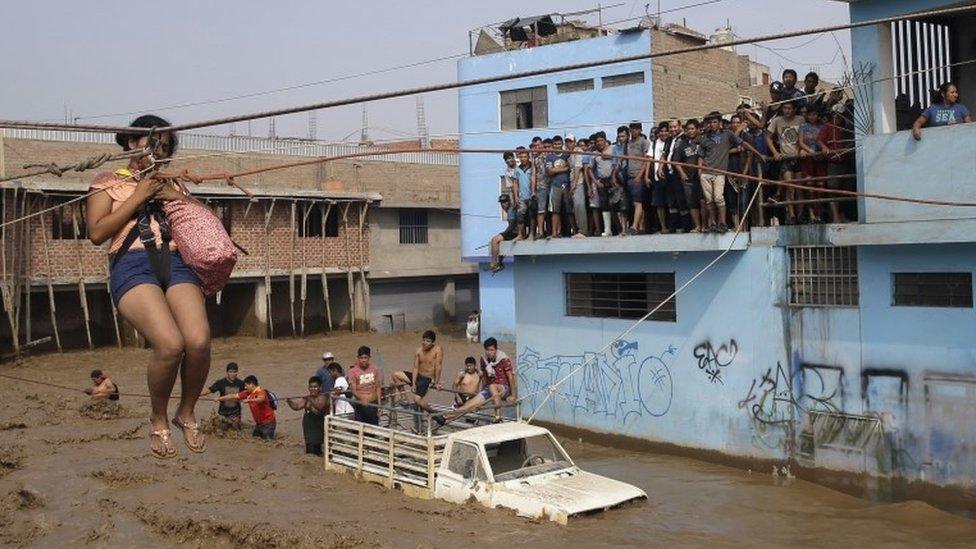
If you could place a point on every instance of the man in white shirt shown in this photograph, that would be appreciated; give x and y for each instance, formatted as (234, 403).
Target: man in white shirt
(340, 388)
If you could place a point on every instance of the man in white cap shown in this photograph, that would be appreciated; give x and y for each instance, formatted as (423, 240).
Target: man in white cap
(323, 372)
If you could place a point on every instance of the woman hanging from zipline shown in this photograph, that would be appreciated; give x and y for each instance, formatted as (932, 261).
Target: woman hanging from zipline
(154, 289)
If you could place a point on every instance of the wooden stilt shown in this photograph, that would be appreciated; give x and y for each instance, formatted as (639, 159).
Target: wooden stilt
(363, 209)
(291, 270)
(82, 292)
(50, 285)
(28, 271)
(349, 281)
(304, 284)
(267, 264)
(325, 278)
(7, 285)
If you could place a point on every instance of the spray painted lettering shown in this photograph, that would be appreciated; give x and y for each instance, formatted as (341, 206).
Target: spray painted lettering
(620, 386)
(711, 360)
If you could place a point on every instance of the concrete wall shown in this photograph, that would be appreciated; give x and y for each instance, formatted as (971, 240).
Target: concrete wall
(877, 389)
(497, 304)
(416, 303)
(439, 256)
(941, 166)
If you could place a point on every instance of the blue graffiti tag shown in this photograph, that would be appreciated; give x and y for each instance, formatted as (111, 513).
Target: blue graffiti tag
(618, 386)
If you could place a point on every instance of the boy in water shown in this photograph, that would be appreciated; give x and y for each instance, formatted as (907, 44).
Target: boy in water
(229, 411)
(102, 386)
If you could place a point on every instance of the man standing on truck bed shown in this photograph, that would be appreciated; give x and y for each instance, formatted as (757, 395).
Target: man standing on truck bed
(499, 382)
(366, 382)
(426, 367)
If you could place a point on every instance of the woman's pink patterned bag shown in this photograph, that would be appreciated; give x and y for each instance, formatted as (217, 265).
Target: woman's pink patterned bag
(202, 242)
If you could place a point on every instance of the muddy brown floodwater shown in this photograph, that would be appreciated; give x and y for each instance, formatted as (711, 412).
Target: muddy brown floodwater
(73, 474)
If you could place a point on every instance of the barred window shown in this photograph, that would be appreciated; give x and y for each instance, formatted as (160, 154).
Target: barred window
(62, 226)
(823, 276)
(413, 226)
(575, 86)
(620, 295)
(932, 290)
(627, 79)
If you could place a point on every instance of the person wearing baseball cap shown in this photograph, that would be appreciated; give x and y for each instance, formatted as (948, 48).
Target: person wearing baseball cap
(323, 372)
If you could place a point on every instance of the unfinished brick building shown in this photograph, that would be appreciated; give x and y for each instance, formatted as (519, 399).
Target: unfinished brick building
(314, 235)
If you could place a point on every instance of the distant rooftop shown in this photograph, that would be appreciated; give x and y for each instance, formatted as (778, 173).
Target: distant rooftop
(255, 145)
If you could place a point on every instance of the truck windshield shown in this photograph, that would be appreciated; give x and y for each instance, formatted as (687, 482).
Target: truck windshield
(525, 457)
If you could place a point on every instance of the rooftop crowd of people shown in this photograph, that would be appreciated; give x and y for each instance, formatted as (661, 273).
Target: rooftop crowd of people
(697, 176)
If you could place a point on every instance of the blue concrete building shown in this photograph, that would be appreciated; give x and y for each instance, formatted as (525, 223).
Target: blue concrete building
(508, 114)
(846, 347)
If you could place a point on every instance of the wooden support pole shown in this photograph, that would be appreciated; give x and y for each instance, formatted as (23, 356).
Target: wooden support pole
(267, 264)
(50, 285)
(27, 270)
(303, 293)
(82, 292)
(349, 281)
(325, 278)
(363, 209)
(7, 284)
(291, 270)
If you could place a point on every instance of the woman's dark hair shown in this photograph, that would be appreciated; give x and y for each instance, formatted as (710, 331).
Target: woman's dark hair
(939, 95)
(146, 121)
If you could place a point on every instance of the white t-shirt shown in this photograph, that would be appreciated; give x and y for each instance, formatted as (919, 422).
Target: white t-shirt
(342, 406)
(473, 327)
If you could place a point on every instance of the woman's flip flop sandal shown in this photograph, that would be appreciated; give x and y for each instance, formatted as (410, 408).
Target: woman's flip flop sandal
(165, 449)
(194, 439)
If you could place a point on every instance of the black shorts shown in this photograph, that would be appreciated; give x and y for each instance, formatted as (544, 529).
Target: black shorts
(423, 383)
(659, 193)
(509, 233)
(366, 414)
(792, 165)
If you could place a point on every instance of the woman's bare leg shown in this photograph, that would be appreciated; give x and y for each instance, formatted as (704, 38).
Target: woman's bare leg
(145, 307)
(186, 301)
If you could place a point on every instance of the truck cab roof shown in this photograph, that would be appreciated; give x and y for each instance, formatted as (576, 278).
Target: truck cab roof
(498, 432)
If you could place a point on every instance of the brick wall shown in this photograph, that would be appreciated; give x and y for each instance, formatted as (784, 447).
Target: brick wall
(694, 84)
(279, 248)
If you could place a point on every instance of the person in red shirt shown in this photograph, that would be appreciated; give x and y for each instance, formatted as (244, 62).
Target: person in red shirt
(366, 384)
(835, 142)
(262, 409)
(498, 380)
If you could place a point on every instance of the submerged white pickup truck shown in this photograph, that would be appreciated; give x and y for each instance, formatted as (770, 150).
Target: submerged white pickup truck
(511, 464)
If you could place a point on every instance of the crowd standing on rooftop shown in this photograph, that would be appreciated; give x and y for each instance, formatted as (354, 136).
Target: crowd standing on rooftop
(695, 176)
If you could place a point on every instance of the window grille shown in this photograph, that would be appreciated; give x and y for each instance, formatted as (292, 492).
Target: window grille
(413, 226)
(921, 58)
(620, 295)
(932, 290)
(575, 86)
(524, 108)
(62, 227)
(823, 276)
(627, 79)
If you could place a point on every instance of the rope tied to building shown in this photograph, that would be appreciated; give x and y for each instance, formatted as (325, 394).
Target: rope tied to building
(52, 168)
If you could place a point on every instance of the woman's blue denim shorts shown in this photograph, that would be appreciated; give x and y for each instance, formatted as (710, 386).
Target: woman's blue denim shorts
(134, 268)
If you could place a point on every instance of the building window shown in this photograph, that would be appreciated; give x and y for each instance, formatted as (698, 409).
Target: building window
(223, 211)
(823, 276)
(575, 86)
(413, 226)
(309, 226)
(932, 290)
(62, 227)
(620, 295)
(627, 79)
(524, 108)
(332, 221)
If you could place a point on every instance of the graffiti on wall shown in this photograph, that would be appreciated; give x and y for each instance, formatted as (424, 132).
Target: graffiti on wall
(712, 360)
(620, 385)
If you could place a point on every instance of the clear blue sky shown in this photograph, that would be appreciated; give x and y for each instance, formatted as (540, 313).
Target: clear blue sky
(94, 58)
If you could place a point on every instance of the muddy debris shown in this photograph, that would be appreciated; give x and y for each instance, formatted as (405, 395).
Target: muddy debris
(102, 409)
(12, 425)
(11, 459)
(120, 479)
(25, 498)
(241, 534)
(134, 433)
